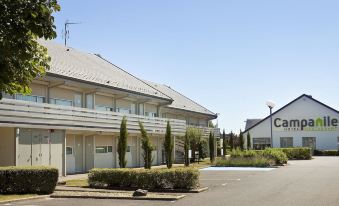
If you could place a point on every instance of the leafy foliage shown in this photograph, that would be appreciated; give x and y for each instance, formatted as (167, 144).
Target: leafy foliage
(241, 140)
(175, 178)
(231, 141)
(186, 149)
(224, 142)
(248, 141)
(195, 137)
(168, 145)
(22, 58)
(146, 147)
(122, 143)
(28, 180)
(256, 161)
(211, 146)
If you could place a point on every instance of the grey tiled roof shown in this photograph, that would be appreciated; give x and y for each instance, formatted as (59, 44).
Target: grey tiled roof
(251, 122)
(94, 69)
(180, 101)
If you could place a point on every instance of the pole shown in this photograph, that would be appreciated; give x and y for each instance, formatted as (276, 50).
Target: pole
(65, 35)
(271, 127)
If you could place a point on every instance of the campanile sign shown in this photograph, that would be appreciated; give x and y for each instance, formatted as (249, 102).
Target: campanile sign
(325, 123)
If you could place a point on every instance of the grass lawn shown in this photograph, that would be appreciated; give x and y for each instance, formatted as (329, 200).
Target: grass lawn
(77, 183)
(14, 197)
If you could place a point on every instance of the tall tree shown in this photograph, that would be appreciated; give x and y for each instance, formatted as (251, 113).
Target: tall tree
(168, 145)
(224, 142)
(186, 149)
(146, 147)
(241, 140)
(22, 58)
(122, 143)
(248, 141)
(211, 146)
(231, 141)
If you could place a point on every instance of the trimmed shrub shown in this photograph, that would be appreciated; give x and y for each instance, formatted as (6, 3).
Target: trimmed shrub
(28, 180)
(175, 178)
(297, 153)
(326, 153)
(277, 155)
(256, 161)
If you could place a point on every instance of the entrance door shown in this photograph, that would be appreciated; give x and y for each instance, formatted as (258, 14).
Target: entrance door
(24, 148)
(309, 142)
(36, 147)
(78, 153)
(89, 152)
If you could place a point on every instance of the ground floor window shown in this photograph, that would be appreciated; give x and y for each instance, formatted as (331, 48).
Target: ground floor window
(286, 142)
(261, 143)
(103, 149)
(309, 142)
(69, 150)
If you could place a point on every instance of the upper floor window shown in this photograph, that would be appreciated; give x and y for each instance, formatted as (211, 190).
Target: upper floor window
(89, 101)
(30, 98)
(124, 111)
(77, 100)
(150, 114)
(64, 102)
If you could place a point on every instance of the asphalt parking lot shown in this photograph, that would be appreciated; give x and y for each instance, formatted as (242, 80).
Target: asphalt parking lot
(301, 183)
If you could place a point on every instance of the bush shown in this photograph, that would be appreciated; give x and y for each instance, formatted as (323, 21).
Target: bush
(175, 178)
(326, 152)
(246, 153)
(28, 180)
(277, 155)
(257, 161)
(297, 153)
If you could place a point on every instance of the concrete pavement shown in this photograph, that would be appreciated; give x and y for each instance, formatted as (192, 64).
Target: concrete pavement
(301, 183)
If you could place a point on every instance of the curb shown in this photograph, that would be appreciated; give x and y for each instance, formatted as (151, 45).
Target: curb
(25, 198)
(199, 190)
(121, 198)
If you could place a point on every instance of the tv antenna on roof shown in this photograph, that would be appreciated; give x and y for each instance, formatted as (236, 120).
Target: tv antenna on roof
(65, 33)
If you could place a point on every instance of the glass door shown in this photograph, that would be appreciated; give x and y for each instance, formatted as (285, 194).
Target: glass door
(309, 142)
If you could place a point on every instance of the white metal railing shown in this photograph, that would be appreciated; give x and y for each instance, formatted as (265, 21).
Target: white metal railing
(19, 113)
(206, 131)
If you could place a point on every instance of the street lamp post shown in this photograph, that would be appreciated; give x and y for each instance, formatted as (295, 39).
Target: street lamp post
(271, 105)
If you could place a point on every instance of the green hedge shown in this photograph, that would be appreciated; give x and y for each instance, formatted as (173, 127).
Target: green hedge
(297, 153)
(326, 152)
(257, 161)
(278, 156)
(175, 178)
(28, 180)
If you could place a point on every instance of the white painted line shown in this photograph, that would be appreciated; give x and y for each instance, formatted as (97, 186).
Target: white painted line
(224, 184)
(237, 169)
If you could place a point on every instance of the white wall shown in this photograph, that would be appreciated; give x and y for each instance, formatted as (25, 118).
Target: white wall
(303, 108)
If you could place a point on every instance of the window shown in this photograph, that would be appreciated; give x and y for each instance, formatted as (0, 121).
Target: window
(69, 150)
(128, 149)
(261, 143)
(77, 100)
(133, 109)
(30, 98)
(150, 114)
(141, 109)
(104, 108)
(286, 142)
(103, 149)
(309, 142)
(63, 102)
(89, 101)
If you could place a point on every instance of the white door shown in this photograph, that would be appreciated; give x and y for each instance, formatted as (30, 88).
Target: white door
(24, 148)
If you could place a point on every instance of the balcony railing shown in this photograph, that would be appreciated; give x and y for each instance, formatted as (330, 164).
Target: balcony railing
(17, 113)
(206, 131)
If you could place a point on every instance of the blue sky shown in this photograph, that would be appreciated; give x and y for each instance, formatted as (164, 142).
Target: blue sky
(230, 56)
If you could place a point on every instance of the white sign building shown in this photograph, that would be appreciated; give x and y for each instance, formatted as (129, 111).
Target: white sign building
(304, 122)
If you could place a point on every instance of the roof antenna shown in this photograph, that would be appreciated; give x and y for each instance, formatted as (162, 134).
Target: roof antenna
(65, 33)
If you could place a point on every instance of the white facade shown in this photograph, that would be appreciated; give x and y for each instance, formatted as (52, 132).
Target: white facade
(303, 122)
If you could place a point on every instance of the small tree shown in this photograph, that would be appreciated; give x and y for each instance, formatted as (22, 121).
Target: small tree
(168, 145)
(248, 141)
(241, 140)
(203, 148)
(186, 149)
(194, 135)
(122, 144)
(146, 147)
(211, 145)
(224, 142)
(231, 141)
